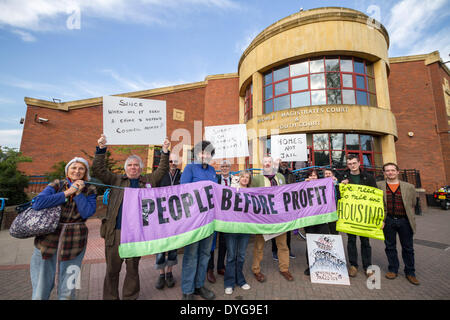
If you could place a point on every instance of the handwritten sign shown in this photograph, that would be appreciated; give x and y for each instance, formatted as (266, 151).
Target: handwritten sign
(361, 211)
(289, 147)
(130, 121)
(229, 141)
(327, 259)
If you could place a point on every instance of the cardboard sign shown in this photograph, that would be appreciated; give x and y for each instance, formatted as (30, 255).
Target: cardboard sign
(130, 121)
(327, 259)
(361, 211)
(289, 147)
(229, 141)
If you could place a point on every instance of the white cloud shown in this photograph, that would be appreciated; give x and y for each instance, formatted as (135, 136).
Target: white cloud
(28, 85)
(10, 138)
(410, 20)
(25, 36)
(6, 100)
(439, 41)
(242, 44)
(54, 15)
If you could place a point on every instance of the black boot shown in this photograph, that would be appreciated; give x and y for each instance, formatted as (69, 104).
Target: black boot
(170, 281)
(161, 282)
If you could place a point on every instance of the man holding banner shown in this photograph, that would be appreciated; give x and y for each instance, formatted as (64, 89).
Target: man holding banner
(270, 178)
(356, 176)
(112, 224)
(196, 255)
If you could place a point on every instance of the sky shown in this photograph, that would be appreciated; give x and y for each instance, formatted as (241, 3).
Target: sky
(81, 49)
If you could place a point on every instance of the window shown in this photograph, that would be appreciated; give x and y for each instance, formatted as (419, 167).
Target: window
(332, 149)
(319, 81)
(248, 103)
(156, 157)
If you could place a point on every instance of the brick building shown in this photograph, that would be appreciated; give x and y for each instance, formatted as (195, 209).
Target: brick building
(351, 98)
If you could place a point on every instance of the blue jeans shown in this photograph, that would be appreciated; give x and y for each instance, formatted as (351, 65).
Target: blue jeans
(43, 272)
(195, 263)
(403, 228)
(236, 249)
(161, 261)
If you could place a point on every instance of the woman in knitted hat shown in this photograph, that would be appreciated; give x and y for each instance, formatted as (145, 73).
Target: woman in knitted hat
(67, 245)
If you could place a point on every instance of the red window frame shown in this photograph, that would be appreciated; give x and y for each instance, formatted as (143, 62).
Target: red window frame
(248, 103)
(360, 152)
(354, 74)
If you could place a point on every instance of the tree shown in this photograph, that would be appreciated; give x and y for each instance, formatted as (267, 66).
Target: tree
(12, 181)
(112, 166)
(58, 171)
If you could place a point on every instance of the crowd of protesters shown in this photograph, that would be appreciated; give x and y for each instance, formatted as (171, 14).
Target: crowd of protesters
(55, 252)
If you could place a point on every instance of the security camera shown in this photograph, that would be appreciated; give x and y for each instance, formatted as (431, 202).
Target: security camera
(40, 119)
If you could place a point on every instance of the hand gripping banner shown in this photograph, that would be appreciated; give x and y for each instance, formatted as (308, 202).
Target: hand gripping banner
(161, 219)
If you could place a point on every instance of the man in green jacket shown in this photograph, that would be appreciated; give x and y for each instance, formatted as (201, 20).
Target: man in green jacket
(269, 178)
(112, 223)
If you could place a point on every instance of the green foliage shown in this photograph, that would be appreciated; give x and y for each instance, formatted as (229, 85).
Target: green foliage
(58, 171)
(112, 166)
(12, 181)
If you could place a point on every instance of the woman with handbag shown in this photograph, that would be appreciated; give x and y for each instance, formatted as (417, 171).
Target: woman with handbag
(66, 246)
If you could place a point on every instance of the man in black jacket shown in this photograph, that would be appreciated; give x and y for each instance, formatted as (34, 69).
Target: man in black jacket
(355, 176)
(224, 178)
(171, 178)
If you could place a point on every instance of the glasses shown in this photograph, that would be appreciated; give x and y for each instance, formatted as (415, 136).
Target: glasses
(174, 162)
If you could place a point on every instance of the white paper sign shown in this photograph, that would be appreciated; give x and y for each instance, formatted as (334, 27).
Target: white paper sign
(327, 262)
(229, 141)
(131, 121)
(289, 147)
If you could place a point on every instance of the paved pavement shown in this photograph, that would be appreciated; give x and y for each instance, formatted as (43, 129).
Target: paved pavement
(432, 254)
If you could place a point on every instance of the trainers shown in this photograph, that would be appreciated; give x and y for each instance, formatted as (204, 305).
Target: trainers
(161, 282)
(291, 255)
(170, 281)
(275, 256)
(228, 290)
(245, 286)
(352, 271)
(204, 293)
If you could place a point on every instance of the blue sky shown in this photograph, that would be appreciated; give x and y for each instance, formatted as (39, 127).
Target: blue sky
(80, 49)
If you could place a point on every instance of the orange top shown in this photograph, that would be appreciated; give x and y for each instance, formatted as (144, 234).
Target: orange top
(394, 186)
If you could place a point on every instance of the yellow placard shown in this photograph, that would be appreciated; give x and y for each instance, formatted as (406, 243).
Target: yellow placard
(361, 211)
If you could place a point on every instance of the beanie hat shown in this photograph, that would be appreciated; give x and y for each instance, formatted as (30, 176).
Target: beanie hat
(81, 160)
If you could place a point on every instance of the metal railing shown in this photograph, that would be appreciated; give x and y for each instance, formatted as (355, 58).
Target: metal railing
(36, 184)
(408, 175)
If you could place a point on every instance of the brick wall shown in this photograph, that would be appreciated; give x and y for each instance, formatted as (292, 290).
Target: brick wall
(412, 102)
(222, 106)
(68, 133)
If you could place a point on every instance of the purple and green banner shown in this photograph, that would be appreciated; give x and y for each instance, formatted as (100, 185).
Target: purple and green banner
(161, 219)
